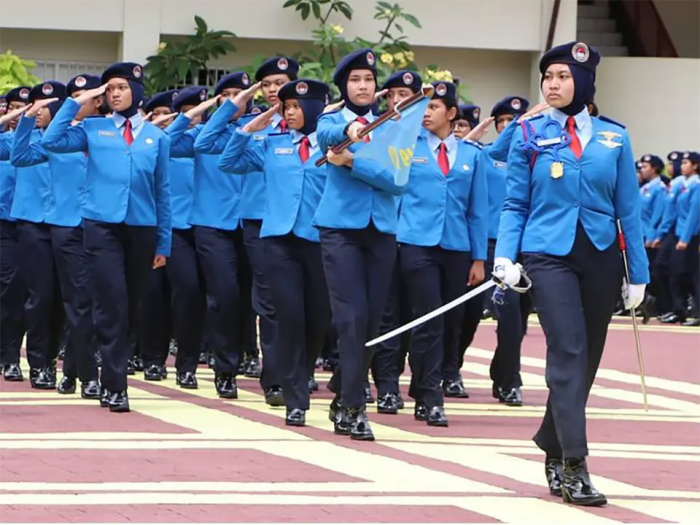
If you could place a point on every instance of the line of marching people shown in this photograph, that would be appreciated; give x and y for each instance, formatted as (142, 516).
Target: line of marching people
(671, 220)
(131, 221)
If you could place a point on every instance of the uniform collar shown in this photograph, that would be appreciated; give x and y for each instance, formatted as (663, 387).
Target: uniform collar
(689, 180)
(136, 120)
(434, 141)
(582, 118)
(351, 116)
(297, 136)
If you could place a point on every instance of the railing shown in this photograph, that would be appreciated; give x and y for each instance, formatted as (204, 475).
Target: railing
(643, 29)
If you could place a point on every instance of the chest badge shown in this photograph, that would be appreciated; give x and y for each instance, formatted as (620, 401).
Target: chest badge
(609, 141)
(556, 170)
(149, 141)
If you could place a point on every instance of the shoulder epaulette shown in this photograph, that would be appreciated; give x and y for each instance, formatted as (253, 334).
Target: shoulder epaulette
(611, 121)
(473, 143)
(535, 117)
(277, 134)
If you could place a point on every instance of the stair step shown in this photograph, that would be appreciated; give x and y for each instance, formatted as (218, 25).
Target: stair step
(612, 51)
(596, 25)
(601, 39)
(593, 11)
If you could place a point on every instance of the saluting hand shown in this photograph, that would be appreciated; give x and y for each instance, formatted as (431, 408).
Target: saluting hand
(202, 108)
(159, 261)
(477, 273)
(334, 106)
(90, 94)
(262, 121)
(479, 130)
(246, 95)
(12, 115)
(160, 119)
(34, 110)
(682, 246)
(380, 94)
(539, 108)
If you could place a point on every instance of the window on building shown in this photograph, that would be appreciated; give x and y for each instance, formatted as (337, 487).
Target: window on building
(64, 71)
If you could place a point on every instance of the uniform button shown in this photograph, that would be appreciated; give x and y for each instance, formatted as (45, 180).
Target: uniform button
(575, 204)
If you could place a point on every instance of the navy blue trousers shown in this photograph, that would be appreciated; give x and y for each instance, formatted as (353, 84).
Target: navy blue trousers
(684, 266)
(120, 259)
(262, 304)
(43, 308)
(297, 283)
(505, 365)
(187, 299)
(434, 276)
(390, 356)
(662, 273)
(12, 294)
(154, 319)
(221, 256)
(74, 277)
(575, 298)
(358, 266)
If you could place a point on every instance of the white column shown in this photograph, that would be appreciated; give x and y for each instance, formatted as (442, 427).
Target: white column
(141, 34)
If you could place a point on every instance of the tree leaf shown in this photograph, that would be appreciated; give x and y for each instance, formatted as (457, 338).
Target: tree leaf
(305, 10)
(201, 24)
(182, 69)
(290, 3)
(345, 9)
(411, 19)
(398, 26)
(385, 5)
(317, 10)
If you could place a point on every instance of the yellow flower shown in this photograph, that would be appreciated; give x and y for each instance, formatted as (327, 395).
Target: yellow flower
(400, 60)
(410, 56)
(338, 29)
(387, 58)
(162, 46)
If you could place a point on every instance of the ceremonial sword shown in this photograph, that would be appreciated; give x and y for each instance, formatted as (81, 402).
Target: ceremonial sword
(494, 281)
(635, 326)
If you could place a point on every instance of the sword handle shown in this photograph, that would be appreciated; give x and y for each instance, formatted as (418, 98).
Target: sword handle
(518, 288)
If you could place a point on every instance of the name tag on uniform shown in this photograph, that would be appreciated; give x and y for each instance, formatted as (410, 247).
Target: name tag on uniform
(497, 164)
(284, 151)
(420, 160)
(106, 133)
(258, 137)
(549, 142)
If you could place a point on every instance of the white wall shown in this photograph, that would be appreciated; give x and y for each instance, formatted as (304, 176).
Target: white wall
(73, 46)
(682, 21)
(656, 98)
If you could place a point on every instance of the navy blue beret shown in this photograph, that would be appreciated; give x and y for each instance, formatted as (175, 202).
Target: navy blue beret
(674, 156)
(126, 70)
(360, 59)
(692, 156)
(445, 91)
(304, 89)
(237, 79)
(18, 94)
(510, 106)
(164, 99)
(278, 66)
(576, 53)
(403, 78)
(258, 108)
(655, 161)
(190, 96)
(638, 165)
(80, 82)
(50, 89)
(471, 113)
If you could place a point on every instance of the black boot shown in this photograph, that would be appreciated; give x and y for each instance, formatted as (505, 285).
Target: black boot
(577, 488)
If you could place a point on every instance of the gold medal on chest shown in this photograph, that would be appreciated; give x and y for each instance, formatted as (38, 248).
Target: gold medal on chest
(556, 170)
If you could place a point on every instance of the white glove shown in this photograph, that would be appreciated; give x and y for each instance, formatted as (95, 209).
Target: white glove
(506, 271)
(633, 294)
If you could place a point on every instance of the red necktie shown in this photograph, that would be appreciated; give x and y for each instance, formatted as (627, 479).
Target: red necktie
(575, 144)
(304, 149)
(128, 135)
(364, 122)
(442, 159)
(283, 126)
